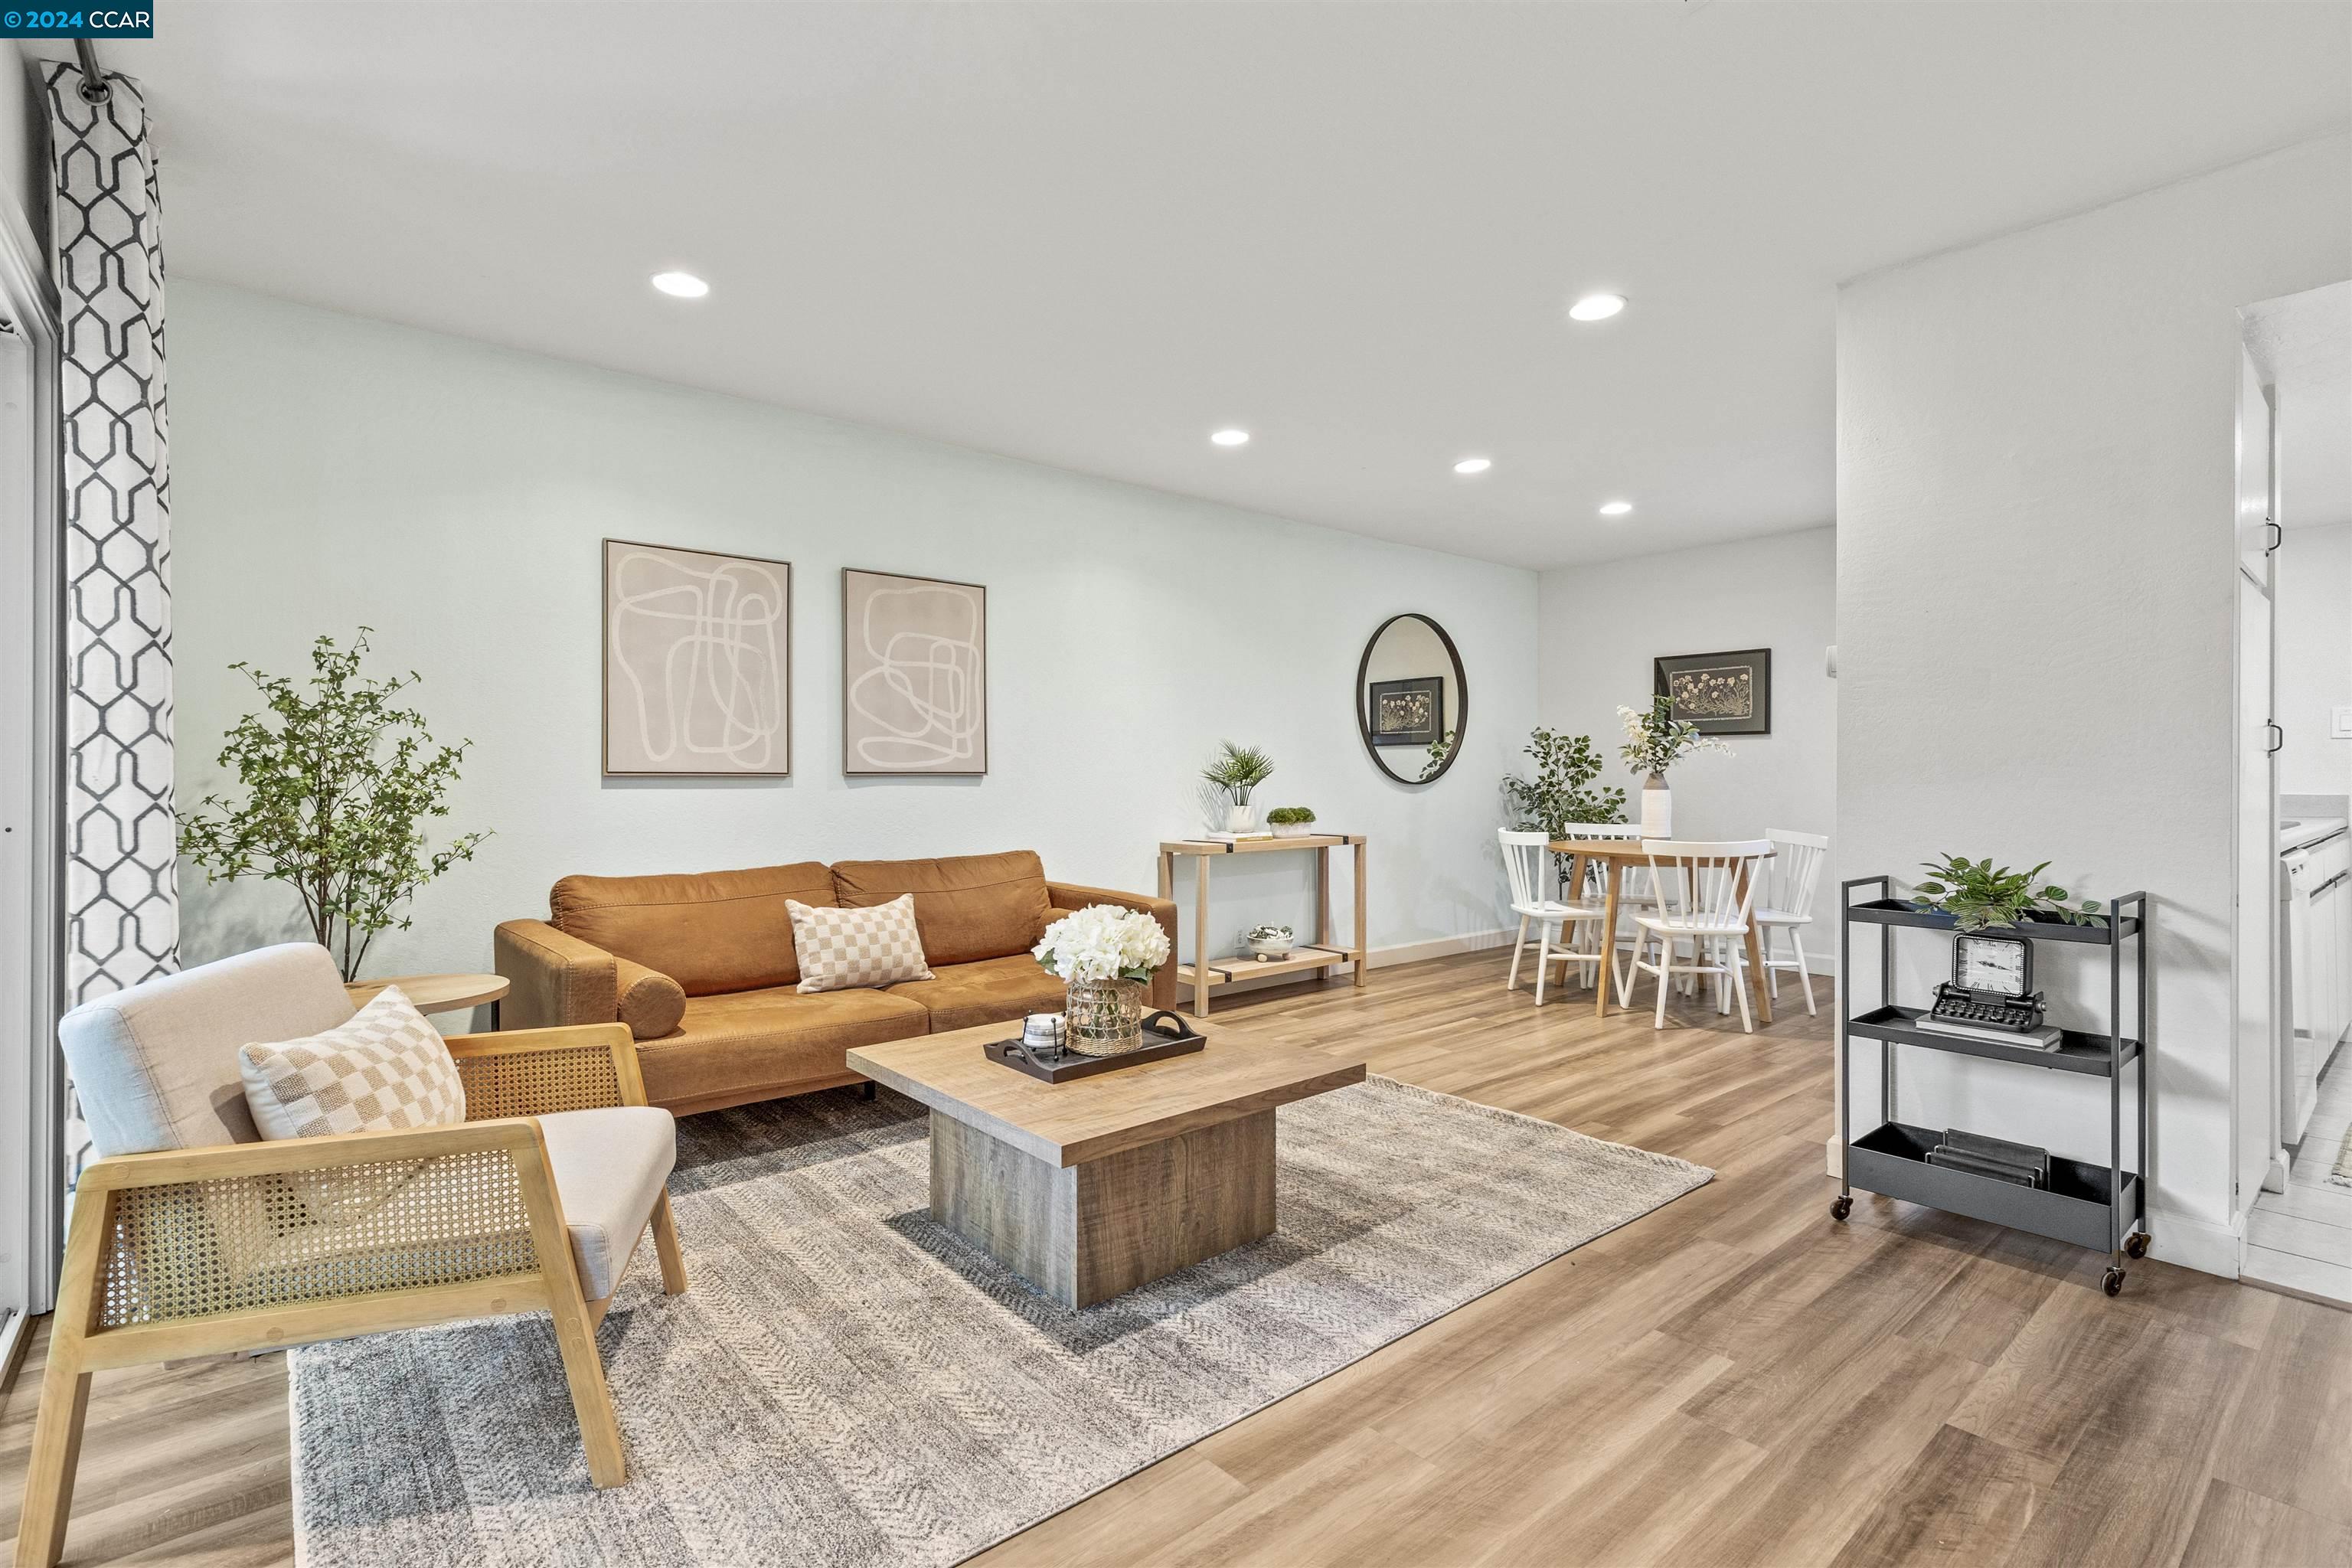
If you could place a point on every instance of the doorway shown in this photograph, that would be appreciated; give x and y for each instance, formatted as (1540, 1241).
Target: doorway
(31, 1078)
(2294, 1076)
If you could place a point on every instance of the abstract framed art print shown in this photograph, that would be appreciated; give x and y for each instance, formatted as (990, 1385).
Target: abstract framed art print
(697, 663)
(914, 675)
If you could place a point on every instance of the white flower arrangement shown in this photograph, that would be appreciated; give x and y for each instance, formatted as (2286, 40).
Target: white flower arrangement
(1656, 740)
(1102, 941)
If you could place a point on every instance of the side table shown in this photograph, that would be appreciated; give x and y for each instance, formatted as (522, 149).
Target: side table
(1319, 957)
(436, 993)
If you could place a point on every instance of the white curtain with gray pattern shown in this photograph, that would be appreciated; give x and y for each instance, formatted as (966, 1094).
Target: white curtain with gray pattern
(121, 896)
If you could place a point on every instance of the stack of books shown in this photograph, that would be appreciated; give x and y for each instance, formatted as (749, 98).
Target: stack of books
(2021, 1163)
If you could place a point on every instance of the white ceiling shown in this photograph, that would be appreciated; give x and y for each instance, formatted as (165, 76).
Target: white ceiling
(2303, 347)
(1090, 234)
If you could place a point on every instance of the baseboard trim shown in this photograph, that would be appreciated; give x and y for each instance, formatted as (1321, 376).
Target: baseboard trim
(2193, 1244)
(1439, 947)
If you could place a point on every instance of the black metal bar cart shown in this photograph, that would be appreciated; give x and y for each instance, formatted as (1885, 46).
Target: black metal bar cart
(2097, 1207)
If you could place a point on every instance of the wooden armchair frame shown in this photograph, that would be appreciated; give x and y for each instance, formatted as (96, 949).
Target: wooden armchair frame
(150, 1274)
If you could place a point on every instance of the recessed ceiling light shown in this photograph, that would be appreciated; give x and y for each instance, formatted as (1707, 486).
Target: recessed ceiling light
(1231, 437)
(1474, 464)
(681, 285)
(1615, 508)
(1596, 306)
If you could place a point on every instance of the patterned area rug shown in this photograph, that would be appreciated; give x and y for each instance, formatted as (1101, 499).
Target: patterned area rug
(845, 1382)
(2342, 1174)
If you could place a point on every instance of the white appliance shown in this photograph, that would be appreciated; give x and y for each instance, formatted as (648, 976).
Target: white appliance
(2315, 967)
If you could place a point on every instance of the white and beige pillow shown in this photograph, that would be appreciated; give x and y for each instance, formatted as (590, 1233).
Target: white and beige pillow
(842, 949)
(384, 1068)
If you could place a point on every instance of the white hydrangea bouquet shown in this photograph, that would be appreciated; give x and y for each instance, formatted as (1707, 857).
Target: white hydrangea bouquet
(1102, 941)
(1104, 955)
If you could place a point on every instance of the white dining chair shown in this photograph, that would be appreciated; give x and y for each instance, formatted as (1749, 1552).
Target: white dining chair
(1524, 860)
(1788, 908)
(1633, 888)
(1707, 907)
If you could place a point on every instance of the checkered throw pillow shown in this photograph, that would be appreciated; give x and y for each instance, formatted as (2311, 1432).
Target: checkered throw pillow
(384, 1068)
(874, 945)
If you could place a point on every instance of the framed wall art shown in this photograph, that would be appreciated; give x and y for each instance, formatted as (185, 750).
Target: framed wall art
(914, 675)
(1406, 712)
(1722, 693)
(697, 663)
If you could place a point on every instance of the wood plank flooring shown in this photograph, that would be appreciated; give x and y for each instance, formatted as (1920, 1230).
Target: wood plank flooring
(1734, 1379)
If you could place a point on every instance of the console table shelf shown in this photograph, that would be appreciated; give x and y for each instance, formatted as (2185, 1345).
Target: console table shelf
(1308, 960)
(2096, 1206)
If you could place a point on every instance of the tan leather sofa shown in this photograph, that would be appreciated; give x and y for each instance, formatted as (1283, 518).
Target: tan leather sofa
(701, 966)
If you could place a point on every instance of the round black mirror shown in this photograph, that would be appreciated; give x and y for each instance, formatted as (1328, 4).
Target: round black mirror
(1412, 703)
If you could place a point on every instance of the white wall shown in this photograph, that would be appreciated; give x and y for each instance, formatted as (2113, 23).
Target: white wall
(329, 472)
(2035, 481)
(2312, 593)
(23, 153)
(1603, 625)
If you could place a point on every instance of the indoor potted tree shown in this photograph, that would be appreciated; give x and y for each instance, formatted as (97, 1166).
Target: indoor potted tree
(336, 784)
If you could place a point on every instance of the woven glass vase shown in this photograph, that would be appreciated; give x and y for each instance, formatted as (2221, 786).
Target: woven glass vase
(1105, 1016)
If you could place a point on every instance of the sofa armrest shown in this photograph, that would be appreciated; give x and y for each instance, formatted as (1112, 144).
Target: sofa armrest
(1070, 896)
(554, 979)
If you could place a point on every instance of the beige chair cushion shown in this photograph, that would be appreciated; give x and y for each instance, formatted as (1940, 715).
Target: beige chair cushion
(156, 1066)
(386, 1069)
(854, 948)
(609, 1166)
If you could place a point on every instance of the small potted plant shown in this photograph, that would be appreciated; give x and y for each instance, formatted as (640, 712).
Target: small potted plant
(1656, 741)
(1270, 941)
(1978, 894)
(1291, 821)
(1238, 770)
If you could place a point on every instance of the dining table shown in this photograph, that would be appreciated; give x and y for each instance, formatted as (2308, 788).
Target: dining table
(1612, 855)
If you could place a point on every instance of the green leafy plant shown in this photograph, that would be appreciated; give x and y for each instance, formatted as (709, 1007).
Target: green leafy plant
(1237, 769)
(1284, 815)
(1439, 750)
(1561, 792)
(336, 784)
(1656, 740)
(1977, 894)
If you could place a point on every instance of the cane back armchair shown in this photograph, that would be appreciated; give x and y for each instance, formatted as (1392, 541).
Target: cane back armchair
(207, 1240)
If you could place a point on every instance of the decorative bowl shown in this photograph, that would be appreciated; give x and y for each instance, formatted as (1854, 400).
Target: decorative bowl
(1291, 829)
(1271, 942)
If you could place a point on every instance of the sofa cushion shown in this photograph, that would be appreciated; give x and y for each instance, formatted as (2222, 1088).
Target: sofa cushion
(650, 1001)
(841, 950)
(754, 1040)
(969, 907)
(712, 932)
(991, 991)
(156, 1066)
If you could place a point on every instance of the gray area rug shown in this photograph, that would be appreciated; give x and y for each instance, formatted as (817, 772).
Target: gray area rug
(845, 1382)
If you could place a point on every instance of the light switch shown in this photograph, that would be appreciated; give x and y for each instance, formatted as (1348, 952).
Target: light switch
(2341, 730)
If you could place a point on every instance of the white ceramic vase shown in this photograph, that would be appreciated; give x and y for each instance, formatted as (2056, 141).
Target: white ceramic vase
(1657, 808)
(1239, 818)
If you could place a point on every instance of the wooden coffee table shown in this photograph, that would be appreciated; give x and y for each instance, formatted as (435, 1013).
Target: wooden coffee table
(1094, 1186)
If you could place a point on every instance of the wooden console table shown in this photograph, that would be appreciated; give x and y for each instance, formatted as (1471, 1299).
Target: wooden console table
(1317, 957)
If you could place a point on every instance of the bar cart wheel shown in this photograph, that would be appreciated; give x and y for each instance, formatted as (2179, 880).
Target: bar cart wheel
(2112, 1281)
(2136, 1243)
(1841, 1205)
